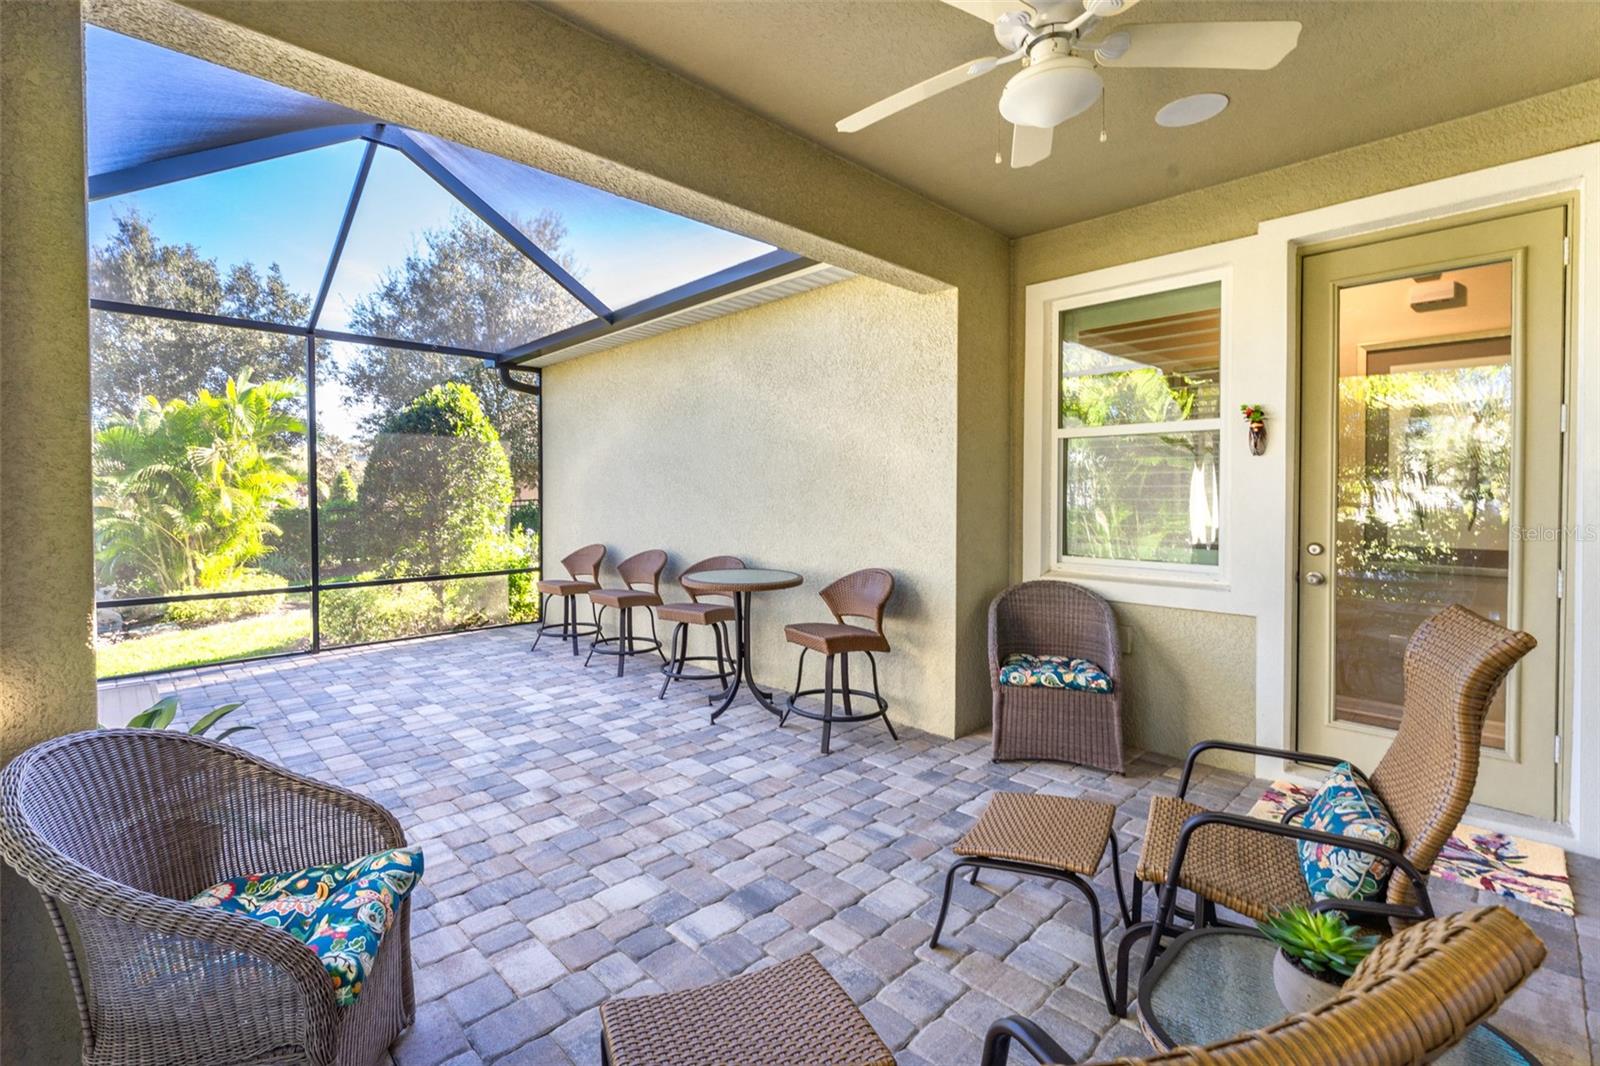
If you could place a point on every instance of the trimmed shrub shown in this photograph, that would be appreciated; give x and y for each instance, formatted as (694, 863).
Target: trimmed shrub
(192, 614)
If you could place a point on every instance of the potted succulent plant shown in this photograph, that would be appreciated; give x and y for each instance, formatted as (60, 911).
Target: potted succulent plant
(1317, 952)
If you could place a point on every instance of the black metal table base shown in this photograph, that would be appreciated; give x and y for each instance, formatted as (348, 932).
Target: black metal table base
(742, 675)
(979, 862)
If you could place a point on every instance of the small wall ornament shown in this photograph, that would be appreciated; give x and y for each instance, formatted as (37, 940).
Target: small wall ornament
(1256, 417)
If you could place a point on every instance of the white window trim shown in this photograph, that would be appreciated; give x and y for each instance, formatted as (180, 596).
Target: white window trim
(1042, 433)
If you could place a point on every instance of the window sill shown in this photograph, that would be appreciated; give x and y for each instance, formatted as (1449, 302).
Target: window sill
(1134, 576)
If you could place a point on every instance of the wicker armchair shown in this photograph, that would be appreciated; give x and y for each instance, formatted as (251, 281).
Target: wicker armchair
(1415, 997)
(117, 828)
(1065, 725)
(1453, 664)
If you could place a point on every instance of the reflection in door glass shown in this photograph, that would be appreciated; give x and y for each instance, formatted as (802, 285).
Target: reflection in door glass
(1424, 474)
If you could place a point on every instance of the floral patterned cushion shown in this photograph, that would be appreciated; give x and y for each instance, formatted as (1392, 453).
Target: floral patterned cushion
(339, 912)
(1345, 804)
(1054, 671)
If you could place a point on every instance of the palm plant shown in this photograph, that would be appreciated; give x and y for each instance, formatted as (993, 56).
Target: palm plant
(185, 490)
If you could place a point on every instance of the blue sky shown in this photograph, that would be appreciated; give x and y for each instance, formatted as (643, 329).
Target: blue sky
(287, 211)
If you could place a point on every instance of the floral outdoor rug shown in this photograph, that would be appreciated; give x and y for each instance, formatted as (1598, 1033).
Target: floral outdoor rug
(1493, 862)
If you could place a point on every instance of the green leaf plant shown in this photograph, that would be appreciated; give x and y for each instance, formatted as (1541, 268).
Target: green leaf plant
(161, 714)
(1323, 943)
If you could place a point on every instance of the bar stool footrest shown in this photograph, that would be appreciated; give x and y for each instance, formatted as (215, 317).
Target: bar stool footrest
(818, 716)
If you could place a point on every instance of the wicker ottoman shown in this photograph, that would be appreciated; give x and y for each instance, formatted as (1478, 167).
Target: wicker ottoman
(1060, 837)
(791, 1014)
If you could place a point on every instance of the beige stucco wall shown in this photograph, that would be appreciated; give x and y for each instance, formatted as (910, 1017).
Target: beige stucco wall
(515, 80)
(1210, 691)
(46, 577)
(1189, 676)
(815, 434)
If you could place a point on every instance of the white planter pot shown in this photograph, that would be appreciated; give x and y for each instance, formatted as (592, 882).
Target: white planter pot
(1298, 990)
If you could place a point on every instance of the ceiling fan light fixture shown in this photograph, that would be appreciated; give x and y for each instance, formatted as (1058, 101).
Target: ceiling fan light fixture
(1050, 92)
(1190, 110)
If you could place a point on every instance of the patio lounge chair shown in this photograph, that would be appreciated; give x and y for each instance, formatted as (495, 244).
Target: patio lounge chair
(1419, 994)
(119, 828)
(1060, 724)
(1453, 664)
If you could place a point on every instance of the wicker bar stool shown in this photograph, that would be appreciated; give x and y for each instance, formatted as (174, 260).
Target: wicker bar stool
(583, 576)
(698, 612)
(862, 595)
(791, 1014)
(643, 569)
(1454, 662)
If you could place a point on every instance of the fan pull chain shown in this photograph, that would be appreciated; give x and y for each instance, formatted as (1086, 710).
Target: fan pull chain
(1102, 117)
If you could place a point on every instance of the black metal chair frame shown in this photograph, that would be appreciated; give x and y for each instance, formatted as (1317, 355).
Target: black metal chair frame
(625, 643)
(1204, 912)
(828, 692)
(1034, 1040)
(984, 862)
(569, 627)
(674, 669)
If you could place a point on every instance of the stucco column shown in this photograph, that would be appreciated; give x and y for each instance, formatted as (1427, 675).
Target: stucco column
(46, 549)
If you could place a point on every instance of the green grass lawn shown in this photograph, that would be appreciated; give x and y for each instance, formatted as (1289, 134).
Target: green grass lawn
(172, 649)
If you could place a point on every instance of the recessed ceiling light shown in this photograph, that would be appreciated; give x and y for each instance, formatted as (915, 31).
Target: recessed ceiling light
(1188, 110)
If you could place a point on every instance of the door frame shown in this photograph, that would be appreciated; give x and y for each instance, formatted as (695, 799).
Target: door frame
(1506, 189)
(1518, 258)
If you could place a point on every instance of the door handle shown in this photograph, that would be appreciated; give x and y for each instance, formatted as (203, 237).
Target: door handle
(1316, 577)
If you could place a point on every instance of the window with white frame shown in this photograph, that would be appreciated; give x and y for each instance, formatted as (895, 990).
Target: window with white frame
(1138, 429)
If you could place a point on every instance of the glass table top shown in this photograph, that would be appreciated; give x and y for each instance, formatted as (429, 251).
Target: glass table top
(742, 579)
(1219, 984)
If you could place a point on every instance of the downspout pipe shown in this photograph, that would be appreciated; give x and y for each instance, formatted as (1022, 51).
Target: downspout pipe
(516, 385)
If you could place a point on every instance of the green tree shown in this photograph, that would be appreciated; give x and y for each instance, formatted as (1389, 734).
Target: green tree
(135, 357)
(186, 491)
(465, 285)
(437, 485)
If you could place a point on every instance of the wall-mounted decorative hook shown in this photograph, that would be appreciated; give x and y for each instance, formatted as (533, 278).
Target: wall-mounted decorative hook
(1256, 417)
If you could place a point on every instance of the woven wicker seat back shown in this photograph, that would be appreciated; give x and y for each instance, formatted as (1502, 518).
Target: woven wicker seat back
(118, 828)
(585, 562)
(862, 594)
(1454, 662)
(1419, 994)
(643, 569)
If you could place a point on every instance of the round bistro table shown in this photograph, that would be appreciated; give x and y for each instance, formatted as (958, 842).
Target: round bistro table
(1214, 983)
(741, 585)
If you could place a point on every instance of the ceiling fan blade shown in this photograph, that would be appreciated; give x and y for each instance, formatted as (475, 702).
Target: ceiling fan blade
(1029, 145)
(1210, 45)
(989, 10)
(917, 93)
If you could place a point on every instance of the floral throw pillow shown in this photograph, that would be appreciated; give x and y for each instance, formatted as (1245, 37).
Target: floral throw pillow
(340, 912)
(1054, 671)
(1347, 806)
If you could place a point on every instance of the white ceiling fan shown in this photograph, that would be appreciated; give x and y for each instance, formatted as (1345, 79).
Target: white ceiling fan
(1061, 77)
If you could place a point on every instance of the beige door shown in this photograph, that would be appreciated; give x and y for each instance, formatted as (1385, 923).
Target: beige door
(1432, 379)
